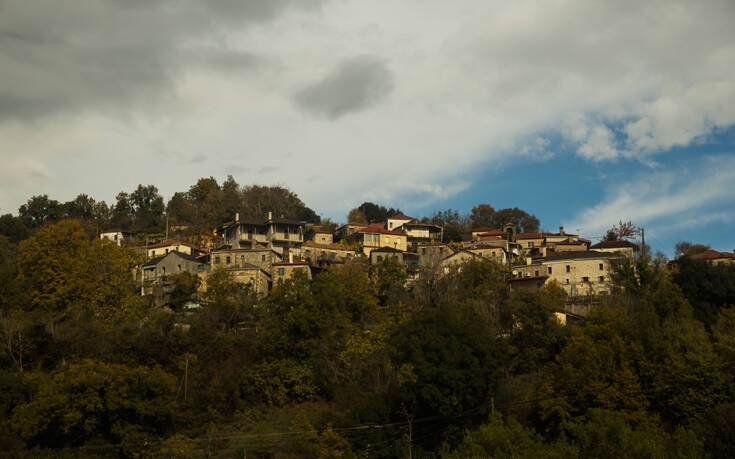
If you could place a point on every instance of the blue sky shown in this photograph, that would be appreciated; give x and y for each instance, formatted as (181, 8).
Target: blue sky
(584, 113)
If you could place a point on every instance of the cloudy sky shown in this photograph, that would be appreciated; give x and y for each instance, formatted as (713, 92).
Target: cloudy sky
(581, 112)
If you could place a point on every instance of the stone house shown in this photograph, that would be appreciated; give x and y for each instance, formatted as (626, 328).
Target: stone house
(285, 269)
(490, 252)
(232, 258)
(323, 236)
(171, 245)
(624, 247)
(431, 253)
(578, 273)
(716, 258)
(375, 236)
(348, 230)
(327, 253)
(157, 270)
(284, 235)
(458, 258)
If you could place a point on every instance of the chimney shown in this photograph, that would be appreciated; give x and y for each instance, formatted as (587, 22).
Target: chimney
(270, 216)
(561, 230)
(237, 216)
(529, 260)
(290, 257)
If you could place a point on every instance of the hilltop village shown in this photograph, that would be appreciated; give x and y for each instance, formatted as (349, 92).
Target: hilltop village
(264, 252)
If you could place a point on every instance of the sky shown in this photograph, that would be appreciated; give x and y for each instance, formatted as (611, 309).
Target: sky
(581, 112)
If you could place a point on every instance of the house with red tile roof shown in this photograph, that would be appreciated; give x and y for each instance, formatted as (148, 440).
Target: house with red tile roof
(715, 257)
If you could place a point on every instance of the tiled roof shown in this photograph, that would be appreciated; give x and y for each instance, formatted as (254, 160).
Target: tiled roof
(321, 231)
(580, 255)
(483, 247)
(170, 242)
(485, 229)
(379, 228)
(401, 217)
(156, 260)
(532, 235)
(614, 245)
(387, 250)
(570, 242)
(712, 255)
(492, 233)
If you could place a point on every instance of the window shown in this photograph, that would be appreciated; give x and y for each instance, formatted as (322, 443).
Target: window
(242, 258)
(216, 260)
(281, 271)
(262, 258)
(566, 281)
(228, 259)
(569, 269)
(380, 258)
(549, 269)
(536, 273)
(530, 244)
(179, 268)
(601, 267)
(423, 251)
(602, 278)
(586, 279)
(332, 256)
(166, 250)
(153, 253)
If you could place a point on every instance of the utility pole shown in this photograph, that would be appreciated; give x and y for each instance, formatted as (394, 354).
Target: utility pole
(643, 241)
(167, 227)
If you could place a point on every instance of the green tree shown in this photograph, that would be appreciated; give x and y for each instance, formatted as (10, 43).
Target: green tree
(93, 400)
(525, 222)
(61, 269)
(147, 208)
(377, 213)
(508, 439)
(356, 216)
(483, 215)
(450, 360)
(13, 228)
(228, 302)
(278, 382)
(40, 209)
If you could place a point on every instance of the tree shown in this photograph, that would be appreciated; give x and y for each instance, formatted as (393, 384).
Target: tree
(122, 212)
(377, 213)
(39, 209)
(623, 230)
(13, 228)
(706, 286)
(525, 222)
(147, 207)
(684, 248)
(228, 302)
(451, 362)
(483, 215)
(95, 400)
(356, 216)
(62, 269)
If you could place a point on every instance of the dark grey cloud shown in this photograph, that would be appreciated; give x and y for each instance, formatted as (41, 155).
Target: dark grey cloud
(115, 54)
(354, 85)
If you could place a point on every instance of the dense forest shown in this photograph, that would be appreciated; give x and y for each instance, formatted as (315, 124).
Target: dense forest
(352, 363)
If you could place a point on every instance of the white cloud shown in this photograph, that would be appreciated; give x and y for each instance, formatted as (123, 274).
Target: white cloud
(470, 82)
(666, 201)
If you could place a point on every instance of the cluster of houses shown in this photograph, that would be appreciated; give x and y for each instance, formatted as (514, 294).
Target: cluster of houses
(263, 252)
